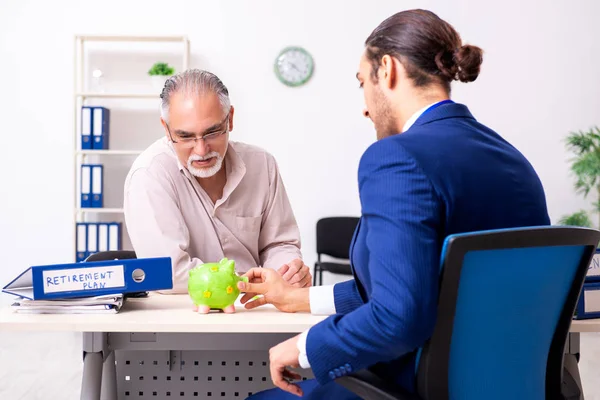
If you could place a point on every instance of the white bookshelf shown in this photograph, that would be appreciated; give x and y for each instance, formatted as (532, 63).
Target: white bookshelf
(108, 152)
(109, 38)
(104, 210)
(83, 96)
(117, 95)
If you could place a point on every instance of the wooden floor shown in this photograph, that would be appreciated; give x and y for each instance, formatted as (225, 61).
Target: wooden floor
(48, 366)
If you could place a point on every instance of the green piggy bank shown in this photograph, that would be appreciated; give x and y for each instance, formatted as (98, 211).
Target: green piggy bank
(214, 286)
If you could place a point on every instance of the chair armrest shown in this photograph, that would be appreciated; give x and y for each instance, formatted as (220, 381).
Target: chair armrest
(369, 386)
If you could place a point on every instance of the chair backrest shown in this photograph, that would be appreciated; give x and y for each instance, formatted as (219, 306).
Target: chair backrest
(507, 299)
(111, 255)
(334, 236)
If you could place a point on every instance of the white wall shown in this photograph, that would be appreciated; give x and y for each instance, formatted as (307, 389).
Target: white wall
(539, 80)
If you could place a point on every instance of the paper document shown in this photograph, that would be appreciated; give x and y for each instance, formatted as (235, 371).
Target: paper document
(110, 304)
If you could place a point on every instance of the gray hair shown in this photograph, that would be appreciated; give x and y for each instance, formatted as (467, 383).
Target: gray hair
(193, 82)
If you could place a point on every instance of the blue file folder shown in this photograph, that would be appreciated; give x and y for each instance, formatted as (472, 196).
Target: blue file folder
(100, 127)
(114, 236)
(588, 305)
(97, 278)
(103, 237)
(593, 273)
(86, 185)
(86, 128)
(92, 238)
(97, 186)
(81, 241)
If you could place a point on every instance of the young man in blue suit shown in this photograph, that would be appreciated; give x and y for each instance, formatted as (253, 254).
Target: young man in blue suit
(434, 171)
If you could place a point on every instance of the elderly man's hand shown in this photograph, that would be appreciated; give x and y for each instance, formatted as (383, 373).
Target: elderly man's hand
(296, 273)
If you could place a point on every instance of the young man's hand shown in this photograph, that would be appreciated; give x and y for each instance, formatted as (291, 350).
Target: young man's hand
(281, 357)
(274, 290)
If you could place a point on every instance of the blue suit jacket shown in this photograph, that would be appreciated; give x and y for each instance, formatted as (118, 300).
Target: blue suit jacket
(446, 174)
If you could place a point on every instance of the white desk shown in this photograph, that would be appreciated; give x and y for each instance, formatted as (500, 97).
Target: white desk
(164, 313)
(585, 325)
(167, 350)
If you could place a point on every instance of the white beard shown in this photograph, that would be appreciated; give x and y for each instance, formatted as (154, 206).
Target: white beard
(205, 172)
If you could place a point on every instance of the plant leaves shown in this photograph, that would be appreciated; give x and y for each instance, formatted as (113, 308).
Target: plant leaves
(161, 68)
(580, 218)
(586, 164)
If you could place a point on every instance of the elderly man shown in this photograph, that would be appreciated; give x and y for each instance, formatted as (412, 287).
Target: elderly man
(196, 196)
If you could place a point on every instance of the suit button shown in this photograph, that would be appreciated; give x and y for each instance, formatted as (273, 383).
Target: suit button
(331, 375)
(348, 368)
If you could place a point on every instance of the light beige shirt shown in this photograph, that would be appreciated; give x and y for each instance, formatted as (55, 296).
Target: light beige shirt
(167, 213)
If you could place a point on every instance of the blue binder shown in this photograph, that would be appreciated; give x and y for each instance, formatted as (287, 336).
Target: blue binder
(100, 127)
(81, 241)
(86, 128)
(97, 185)
(593, 273)
(103, 236)
(86, 185)
(92, 238)
(97, 278)
(114, 236)
(588, 305)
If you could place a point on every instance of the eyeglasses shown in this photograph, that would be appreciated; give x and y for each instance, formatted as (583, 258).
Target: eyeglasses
(191, 141)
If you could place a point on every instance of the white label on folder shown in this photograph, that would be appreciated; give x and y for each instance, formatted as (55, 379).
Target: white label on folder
(81, 238)
(79, 279)
(592, 300)
(86, 121)
(594, 269)
(92, 237)
(113, 243)
(97, 179)
(86, 179)
(98, 113)
(103, 237)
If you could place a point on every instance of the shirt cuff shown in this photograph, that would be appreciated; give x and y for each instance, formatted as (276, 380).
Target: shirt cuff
(303, 358)
(322, 300)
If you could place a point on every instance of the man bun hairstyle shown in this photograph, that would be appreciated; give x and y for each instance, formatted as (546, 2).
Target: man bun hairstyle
(429, 48)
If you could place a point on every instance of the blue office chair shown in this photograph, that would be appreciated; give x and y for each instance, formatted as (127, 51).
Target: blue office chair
(506, 302)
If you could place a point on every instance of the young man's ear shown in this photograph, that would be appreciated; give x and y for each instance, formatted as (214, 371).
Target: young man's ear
(388, 71)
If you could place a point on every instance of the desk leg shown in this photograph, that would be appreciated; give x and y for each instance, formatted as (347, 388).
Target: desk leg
(572, 347)
(95, 352)
(92, 376)
(571, 385)
(109, 378)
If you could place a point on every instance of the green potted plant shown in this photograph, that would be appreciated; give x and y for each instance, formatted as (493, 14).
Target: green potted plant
(586, 168)
(159, 73)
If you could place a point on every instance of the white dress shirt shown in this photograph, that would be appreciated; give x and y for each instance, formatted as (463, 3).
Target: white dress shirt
(321, 297)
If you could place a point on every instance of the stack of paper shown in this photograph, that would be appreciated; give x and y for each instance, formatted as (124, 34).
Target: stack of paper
(108, 304)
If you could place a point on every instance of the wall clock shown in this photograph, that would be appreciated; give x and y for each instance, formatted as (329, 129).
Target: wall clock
(294, 66)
